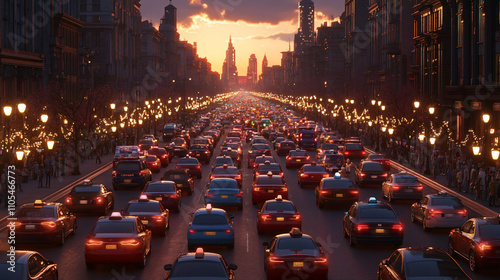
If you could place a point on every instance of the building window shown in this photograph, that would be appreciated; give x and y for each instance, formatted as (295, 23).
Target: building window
(425, 22)
(438, 18)
(460, 26)
(96, 5)
(96, 19)
(83, 5)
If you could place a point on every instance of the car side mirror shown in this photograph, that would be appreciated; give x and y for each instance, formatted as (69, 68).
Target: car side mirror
(232, 266)
(385, 262)
(168, 267)
(265, 244)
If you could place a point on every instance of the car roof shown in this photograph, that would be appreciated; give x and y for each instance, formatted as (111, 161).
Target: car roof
(420, 252)
(214, 211)
(191, 256)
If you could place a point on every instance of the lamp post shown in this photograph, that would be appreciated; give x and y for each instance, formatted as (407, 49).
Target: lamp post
(7, 110)
(486, 143)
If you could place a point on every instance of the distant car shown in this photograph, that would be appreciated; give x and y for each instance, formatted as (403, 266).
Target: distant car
(224, 192)
(191, 165)
(181, 178)
(160, 153)
(267, 187)
(210, 226)
(226, 171)
(354, 151)
(90, 197)
(262, 159)
(297, 158)
(284, 147)
(420, 263)
(201, 152)
(372, 222)
(257, 150)
(29, 265)
(154, 163)
(44, 222)
(233, 154)
(333, 162)
(439, 210)
(266, 167)
(282, 257)
(117, 239)
(478, 241)
(164, 192)
(200, 265)
(320, 152)
(180, 146)
(146, 144)
(380, 158)
(335, 190)
(370, 173)
(221, 160)
(151, 213)
(402, 186)
(311, 174)
(277, 141)
(150, 137)
(131, 173)
(278, 215)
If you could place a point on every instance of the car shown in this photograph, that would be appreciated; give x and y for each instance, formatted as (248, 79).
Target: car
(354, 151)
(282, 257)
(224, 192)
(90, 197)
(232, 140)
(380, 158)
(297, 158)
(370, 174)
(180, 146)
(124, 152)
(221, 160)
(320, 152)
(29, 265)
(284, 147)
(150, 137)
(307, 140)
(191, 165)
(42, 222)
(335, 190)
(182, 180)
(266, 167)
(420, 263)
(257, 150)
(151, 213)
(165, 192)
(267, 187)
(161, 154)
(227, 171)
(238, 147)
(203, 141)
(233, 154)
(372, 222)
(311, 174)
(154, 163)
(131, 173)
(333, 162)
(258, 140)
(146, 144)
(262, 159)
(478, 241)
(201, 152)
(278, 215)
(439, 210)
(235, 133)
(117, 239)
(200, 265)
(277, 141)
(210, 226)
(215, 134)
(170, 131)
(402, 186)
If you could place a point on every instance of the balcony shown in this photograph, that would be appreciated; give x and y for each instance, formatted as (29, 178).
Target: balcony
(393, 48)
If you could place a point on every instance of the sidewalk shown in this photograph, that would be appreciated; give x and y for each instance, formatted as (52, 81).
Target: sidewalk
(31, 192)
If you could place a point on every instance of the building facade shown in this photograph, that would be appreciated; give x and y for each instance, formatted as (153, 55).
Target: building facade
(229, 70)
(252, 71)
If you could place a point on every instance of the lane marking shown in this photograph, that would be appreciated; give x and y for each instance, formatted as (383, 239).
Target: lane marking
(247, 242)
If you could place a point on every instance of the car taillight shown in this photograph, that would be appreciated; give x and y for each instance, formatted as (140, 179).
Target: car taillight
(398, 227)
(228, 230)
(282, 174)
(419, 188)
(275, 260)
(463, 213)
(49, 224)
(92, 242)
(284, 189)
(158, 219)
(209, 195)
(69, 200)
(324, 192)
(484, 246)
(212, 177)
(237, 177)
(192, 230)
(163, 156)
(114, 173)
(99, 200)
(384, 175)
(362, 227)
(362, 174)
(191, 152)
(237, 195)
(433, 212)
(206, 152)
(363, 153)
(295, 217)
(198, 167)
(266, 217)
(256, 189)
(308, 157)
(131, 242)
(321, 260)
(304, 175)
(354, 192)
(346, 153)
(395, 188)
(142, 172)
(326, 175)
(174, 195)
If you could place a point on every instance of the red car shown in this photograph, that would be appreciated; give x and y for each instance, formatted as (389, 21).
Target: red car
(266, 167)
(226, 171)
(164, 192)
(262, 159)
(267, 187)
(282, 257)
(160, 153)
(297, 158)
(478, 241)
(154, 163)
(284, 147)
(278, 215)
(151, 212)
(118, 239)
(312, 174)
(354, 151)
(191, 165)
(380, 158)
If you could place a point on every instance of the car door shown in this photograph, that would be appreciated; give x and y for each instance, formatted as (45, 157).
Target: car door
(393, 267)
(420, 211)
(460, 241)
(40, 268)
(64, 217)
(351, 218)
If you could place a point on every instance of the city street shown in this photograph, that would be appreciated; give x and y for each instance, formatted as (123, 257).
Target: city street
(325, 226)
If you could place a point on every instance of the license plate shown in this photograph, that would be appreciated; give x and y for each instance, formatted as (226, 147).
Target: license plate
(339, 195)
(29, 227)
(179, 185)
(127, 181)
(111, 247)
(409, 190)
(177, 150)
(224, 196)
(374, 176)
(280, 219)
(159, 198)
(449, 215)
(298, 160)
(209, 232)
(270, 191)
(197, 155)
(145, 222)
(84, 202)
(298, 264)
(379, 230)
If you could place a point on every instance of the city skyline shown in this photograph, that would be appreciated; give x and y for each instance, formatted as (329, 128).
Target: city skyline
(253, 30)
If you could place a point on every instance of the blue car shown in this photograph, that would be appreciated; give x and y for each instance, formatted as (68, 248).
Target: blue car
(210, 226)
(224, 192)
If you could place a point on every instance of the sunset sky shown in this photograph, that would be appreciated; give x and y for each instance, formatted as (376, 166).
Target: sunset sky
(256, 26)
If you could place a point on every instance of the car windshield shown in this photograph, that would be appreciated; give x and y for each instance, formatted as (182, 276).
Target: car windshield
(223, 184)
(353, 147)
(259, 147)
(146, 142)
(433, 268)
(405, 180)
(372, 166)
(44, 212)
(198, 269)
(224, 160)
(266, 180)
(160, 187)
(143, 207)
(337, 184)
(128, 166)
(489, 231)
(296, 244)
(198, 147)
(298, 153)
(187, 161)
(157, 151)
(115, 227)
(87, 189)
(209, 219)
(19, 272)
(446, 201)
(375, 213)
(175, 176)
(279, 206)
(312, 168)
(225, 171)
(263, 160)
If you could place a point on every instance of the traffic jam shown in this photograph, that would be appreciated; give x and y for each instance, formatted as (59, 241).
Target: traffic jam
(254, 190)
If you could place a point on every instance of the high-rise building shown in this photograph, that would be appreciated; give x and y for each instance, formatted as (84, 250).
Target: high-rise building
(252, 70)
(264, 64)
(229, 70)
(168, 28)
(306, 35)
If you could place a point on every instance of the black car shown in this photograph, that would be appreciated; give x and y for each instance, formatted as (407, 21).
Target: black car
(335, 191)
(200, 265)
(29, 265)
(151, 213)
(201, 152)
(204, 141)
(131, 173)
(165, 192)
(420, 263)
(372, 222)
(257, 150)
(89, 197)
(370, 173)
(181, 178)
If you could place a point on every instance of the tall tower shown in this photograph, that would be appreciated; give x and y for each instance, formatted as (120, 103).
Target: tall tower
(252, 70)
(264, 63)
(168, 28)
(306, 35)
(229, 71)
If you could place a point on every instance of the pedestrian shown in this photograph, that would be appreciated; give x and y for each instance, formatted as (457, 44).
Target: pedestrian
(472, 177)
(48, 171)
(465, 178)
(40, 178)
(483, 186)
(53, 164)
(449, 177)
(459, 180)
(97, 156)
(492, 195)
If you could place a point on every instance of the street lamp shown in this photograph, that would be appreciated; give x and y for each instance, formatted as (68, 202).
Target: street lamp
(495, 153)
(475, 150)
(21, 107)
(113, 128)
(352, 101)
(44, 118)
(384, 128)
(373, 102)
(431, 110)
(50, 144)
(346, 101)
(486, 118)
(432, 140)
(391, 131)
(20, 155)
(7, 110)
(382, 107)
(416, 104)
(112, 106)
(421, 137)
(379, 103)
(370, 123)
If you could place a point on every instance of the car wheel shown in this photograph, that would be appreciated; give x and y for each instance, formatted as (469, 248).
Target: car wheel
(472, 261)
(61, 238)
(412, 217)
(451, 249)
